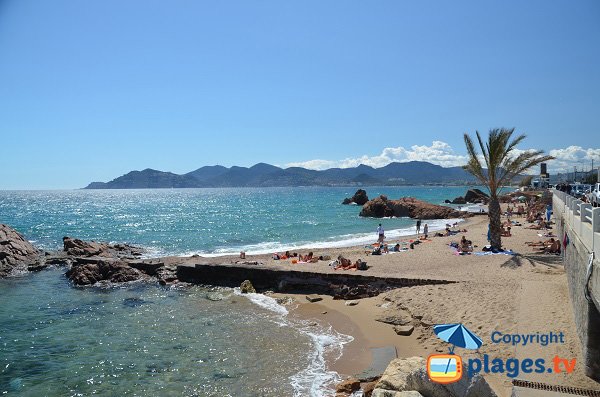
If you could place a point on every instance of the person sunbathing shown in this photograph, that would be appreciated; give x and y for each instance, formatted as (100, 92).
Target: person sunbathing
(346, 264)
(554, 248)
(465, 245)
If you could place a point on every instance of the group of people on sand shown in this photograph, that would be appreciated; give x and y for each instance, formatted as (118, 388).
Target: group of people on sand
(551, 246)
(347, 264)
(308, 258)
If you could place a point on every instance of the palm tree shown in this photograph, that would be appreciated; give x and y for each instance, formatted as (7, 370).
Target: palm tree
(501, 166)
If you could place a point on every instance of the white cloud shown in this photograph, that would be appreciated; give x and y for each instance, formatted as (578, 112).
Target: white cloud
(438, 153)
(441, 153)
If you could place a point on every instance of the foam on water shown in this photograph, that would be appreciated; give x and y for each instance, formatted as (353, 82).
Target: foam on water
(348, 240)
(316, 380)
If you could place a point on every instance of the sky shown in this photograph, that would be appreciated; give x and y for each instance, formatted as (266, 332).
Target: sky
(90, 90)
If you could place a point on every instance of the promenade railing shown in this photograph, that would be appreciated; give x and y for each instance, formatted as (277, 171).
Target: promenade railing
(581, 217)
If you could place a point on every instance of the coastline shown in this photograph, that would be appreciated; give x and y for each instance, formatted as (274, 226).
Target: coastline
(526, 293)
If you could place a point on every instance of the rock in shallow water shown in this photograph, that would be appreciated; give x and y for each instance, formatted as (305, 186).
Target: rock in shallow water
(16, 253)
(115, 271)
(247, 287)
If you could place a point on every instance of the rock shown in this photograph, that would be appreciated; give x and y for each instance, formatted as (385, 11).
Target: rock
(388, 393)
(404, 330)
(91, 272)
(77, 247)
(408, 374)
(247, 287)
(368, 387)
(16, 253)
(356, 292)
(459, 200)
(348, 386)
(409, 207)
(359, 198)
(313, 298)
(351, 303)
(476, 196)
(401, 317)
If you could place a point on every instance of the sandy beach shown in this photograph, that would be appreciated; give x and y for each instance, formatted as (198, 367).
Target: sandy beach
(525, 293)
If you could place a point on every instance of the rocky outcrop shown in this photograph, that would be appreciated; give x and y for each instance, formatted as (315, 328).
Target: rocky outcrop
(77, 247)
(409, 207)
(91, 271)
(16, 253)
(458, 200)
(410, 374)
(359, 198)
(472, 196)
(476, 196)
(247, 288)
(348, 386)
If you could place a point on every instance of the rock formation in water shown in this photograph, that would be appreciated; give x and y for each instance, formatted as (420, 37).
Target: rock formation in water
(91, 272)
(409, 207)
(359, 198)
(77, 247)
(16, 253)
(472, 196)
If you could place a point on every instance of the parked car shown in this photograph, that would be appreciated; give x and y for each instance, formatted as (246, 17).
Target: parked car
(580, 189)
(594, 195)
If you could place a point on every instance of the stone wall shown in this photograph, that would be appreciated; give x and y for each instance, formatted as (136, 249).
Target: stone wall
(587, 317)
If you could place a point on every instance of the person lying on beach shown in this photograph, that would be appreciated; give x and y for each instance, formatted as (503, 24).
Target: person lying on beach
(554, 248)
(396, 248)
(465, 245)
(346, 264)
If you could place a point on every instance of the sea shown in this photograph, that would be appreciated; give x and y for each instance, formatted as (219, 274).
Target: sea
(140, 339)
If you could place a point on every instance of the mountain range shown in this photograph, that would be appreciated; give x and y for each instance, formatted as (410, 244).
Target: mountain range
(266, 175)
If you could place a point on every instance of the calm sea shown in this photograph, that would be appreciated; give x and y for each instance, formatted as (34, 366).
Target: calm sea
(147, 340)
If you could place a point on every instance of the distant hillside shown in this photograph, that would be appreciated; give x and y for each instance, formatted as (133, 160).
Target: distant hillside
(264, 175)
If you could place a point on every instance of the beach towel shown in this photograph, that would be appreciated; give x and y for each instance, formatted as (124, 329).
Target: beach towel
(495, 253)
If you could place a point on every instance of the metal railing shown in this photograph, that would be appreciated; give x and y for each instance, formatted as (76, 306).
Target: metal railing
(581, 217)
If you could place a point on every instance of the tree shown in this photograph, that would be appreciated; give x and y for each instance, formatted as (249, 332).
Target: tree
(501, 166)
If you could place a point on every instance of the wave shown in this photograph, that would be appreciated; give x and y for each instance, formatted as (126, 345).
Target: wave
(341, 241)
(315, 380)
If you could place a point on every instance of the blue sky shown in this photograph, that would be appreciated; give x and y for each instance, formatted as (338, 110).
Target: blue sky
(90, 90)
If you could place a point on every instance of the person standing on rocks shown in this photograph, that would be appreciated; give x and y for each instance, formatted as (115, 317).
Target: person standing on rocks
(380, 234)
(418, 227)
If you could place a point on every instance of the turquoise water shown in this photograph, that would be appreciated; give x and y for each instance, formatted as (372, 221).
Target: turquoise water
(146, 340)
(205, 221)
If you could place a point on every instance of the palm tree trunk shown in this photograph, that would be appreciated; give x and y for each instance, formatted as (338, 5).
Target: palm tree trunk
(495, 223)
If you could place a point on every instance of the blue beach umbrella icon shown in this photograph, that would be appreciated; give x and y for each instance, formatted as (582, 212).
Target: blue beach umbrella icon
(458, 335)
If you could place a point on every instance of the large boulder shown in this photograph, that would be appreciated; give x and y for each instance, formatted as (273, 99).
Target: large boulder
(459, 200)
(410, 374)
(476, 196)
(16, 253)
(94, 270)
(409, 207)
(359, 198)
(77, 247)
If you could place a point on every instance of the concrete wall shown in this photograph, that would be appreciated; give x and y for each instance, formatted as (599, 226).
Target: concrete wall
(582, 227)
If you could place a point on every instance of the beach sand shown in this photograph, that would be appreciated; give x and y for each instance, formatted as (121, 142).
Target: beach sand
(510, 294)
